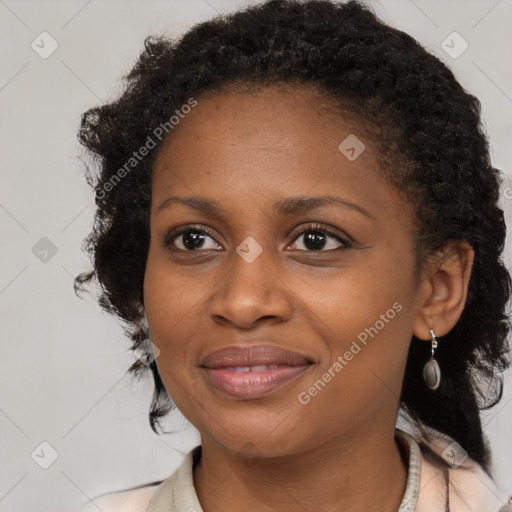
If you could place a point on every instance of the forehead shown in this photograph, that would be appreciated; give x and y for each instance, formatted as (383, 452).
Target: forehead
(265, 144)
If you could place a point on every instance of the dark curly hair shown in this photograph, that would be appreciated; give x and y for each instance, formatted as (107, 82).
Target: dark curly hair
(426, 128)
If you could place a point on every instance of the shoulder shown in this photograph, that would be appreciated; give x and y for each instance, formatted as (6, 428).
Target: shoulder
(131, 500)
(177, 492)
(168, 494)
(462, 483)
(443, 477)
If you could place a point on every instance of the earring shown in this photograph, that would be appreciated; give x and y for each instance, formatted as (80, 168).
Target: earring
(431, 370)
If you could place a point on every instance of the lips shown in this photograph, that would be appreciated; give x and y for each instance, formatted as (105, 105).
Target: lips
(254, 356)
(254, 371)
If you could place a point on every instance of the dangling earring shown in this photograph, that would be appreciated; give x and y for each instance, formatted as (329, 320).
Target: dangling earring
(431, 370)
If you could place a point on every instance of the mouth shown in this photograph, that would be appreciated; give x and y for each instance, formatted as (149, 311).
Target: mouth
(249, 372)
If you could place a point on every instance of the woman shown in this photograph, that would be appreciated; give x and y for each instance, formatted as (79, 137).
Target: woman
(297, 208)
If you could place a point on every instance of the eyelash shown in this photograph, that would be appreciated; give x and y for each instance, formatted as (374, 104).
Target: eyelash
(169, 238)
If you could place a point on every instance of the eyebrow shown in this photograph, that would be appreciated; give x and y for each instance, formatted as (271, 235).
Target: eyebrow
(288, 206)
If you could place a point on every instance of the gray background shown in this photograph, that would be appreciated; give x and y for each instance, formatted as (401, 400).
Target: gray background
(63, 361)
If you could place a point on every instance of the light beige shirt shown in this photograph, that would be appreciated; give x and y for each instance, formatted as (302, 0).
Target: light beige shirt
(469, 489)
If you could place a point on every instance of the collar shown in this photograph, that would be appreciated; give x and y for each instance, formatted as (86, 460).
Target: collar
(177, 493)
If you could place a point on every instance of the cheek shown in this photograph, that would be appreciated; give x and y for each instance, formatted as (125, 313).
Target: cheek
(174, 302)
(169, 308)
(365, 317)
(346, 303)
(163, 313)
(169, 296)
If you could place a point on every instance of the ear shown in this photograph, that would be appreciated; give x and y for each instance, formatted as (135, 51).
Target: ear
(443, 290)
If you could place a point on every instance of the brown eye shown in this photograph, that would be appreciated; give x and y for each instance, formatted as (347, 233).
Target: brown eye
(190, 240)
(318, 238)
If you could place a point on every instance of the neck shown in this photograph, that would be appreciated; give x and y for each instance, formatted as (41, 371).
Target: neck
(354, 471)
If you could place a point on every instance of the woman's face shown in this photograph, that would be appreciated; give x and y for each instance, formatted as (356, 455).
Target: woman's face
(264, 275)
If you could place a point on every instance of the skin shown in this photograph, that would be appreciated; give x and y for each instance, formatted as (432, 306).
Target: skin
(247, 151)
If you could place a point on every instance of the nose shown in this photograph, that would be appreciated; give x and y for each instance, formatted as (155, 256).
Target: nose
(250, 293)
